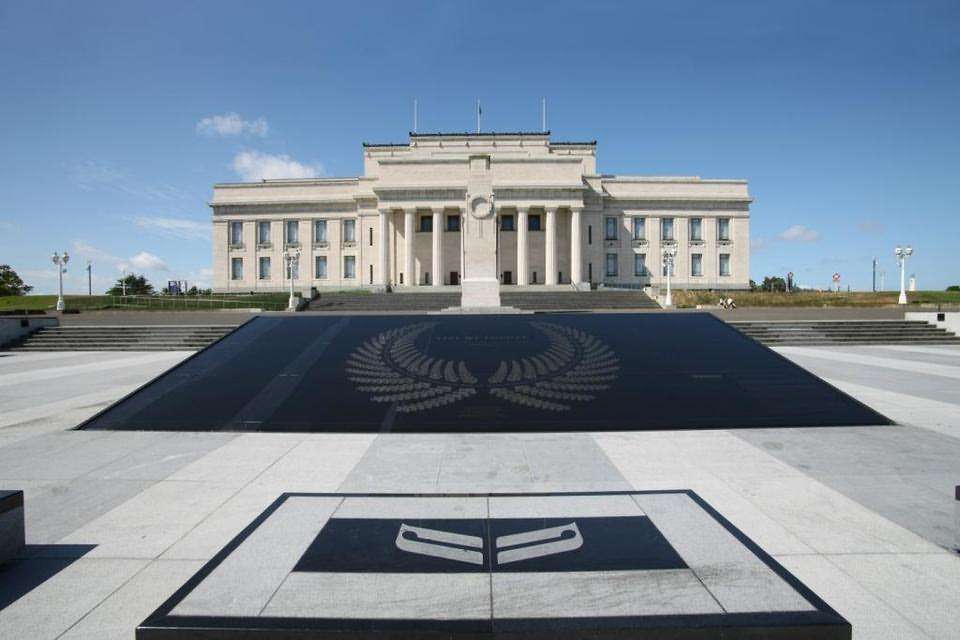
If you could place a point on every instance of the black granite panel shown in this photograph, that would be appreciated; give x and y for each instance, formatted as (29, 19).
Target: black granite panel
(361, 545)
(513, 373)
(10, 500)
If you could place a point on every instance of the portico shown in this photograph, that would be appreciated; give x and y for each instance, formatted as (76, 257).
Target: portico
(406, 222)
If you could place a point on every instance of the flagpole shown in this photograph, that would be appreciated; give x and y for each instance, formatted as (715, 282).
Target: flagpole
(478, 116)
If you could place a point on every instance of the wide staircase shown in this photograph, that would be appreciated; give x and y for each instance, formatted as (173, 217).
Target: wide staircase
(122, 338)
(526, 300)
(844, 332)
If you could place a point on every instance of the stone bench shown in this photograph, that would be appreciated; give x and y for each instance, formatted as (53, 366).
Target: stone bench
(11, 524)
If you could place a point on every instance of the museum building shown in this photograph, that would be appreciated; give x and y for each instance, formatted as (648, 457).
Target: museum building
(559, 223)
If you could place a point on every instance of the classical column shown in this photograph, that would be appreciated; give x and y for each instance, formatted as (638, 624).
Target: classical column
(523, 273)
(409, 273)
(436, 273)
(551, 267)
(576, 248)
(384, 247)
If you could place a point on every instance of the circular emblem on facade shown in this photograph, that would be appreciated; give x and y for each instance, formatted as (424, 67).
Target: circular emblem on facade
(572, 367)
(481, 208)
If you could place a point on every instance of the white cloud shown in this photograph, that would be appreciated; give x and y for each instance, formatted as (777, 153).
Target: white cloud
(7, 226)
(759, 244)
(175, 227)
(871, 226)
(799, 233)
(147, 261)
(98, 176)
(231, 124)
(87, 250)
(252, 166)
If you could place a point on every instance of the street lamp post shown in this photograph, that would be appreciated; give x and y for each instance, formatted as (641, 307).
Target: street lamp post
(902, 253)
(61, 263)
(89, 278)
(669, 253)
(292, 257)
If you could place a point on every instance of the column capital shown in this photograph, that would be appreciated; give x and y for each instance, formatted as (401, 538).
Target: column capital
(550, 208)
(439, 209)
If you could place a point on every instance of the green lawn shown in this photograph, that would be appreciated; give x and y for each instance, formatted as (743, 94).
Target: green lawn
(269, 301)
(813, 298)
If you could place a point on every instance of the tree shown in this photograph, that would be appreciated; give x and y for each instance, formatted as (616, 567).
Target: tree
(11, 284)
(774, 283)
(135, 285)
(954, 287)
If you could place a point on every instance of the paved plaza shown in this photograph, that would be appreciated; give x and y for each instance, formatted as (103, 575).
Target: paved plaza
(117, 521)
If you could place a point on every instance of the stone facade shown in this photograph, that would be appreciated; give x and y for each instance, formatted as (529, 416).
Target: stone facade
(558, 222)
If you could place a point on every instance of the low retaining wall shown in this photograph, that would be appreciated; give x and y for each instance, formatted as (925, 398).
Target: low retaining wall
(12, 328)
(949, 320)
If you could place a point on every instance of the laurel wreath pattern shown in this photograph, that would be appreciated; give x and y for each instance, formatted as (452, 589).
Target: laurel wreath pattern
(574, 366)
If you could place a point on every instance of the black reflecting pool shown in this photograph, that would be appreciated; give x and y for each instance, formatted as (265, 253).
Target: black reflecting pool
(511, 373)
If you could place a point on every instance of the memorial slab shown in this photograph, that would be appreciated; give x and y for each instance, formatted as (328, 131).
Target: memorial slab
(641, 564)
(509, 373)
(12, 533)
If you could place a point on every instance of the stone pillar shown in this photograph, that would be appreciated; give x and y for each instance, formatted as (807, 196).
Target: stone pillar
(551, 246)
(523, 271)
(384, 247)
(576, 248)
(409, 270)
(436, 272)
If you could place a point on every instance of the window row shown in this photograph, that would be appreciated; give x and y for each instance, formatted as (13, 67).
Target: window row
(291, 232)
(264, 268)
(640, 265)
(639, 229)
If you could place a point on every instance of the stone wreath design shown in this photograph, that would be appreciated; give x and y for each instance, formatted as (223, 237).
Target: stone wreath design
(573, 367)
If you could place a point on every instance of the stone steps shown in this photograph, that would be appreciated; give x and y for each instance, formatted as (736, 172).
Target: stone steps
(122, 338)
(820, 333)
(530, 301)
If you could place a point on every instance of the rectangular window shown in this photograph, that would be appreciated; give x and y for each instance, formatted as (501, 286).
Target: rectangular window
(639, 264)
(725, 264)
(666, 229)
(426, 224)
(610, 229)
(723, 229)
(349, 230)
(349, 267)
(371, 236)
(292, 234)
(263, 232)
(696, 264)
(264, 268)
(319, 230)
(533, 222)
(611, 265)
(589, 234)
(453, 223)
(506, 223)
(696, 229)
(320, 267)
(236, 268)
(236, 234)
(639, 228)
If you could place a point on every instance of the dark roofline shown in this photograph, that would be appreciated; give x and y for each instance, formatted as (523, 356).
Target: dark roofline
(592, 143)
(473, 134)
(386, 144)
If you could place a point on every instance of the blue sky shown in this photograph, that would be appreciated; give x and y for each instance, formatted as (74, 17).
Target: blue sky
(117, 117)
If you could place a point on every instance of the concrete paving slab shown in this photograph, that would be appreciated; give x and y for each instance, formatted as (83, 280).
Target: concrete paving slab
(871, 617)
(920, 587)
(52, 607)
(150, 522)
(118, 614)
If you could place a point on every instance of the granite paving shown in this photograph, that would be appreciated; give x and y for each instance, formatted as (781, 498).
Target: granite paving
(116, 522)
